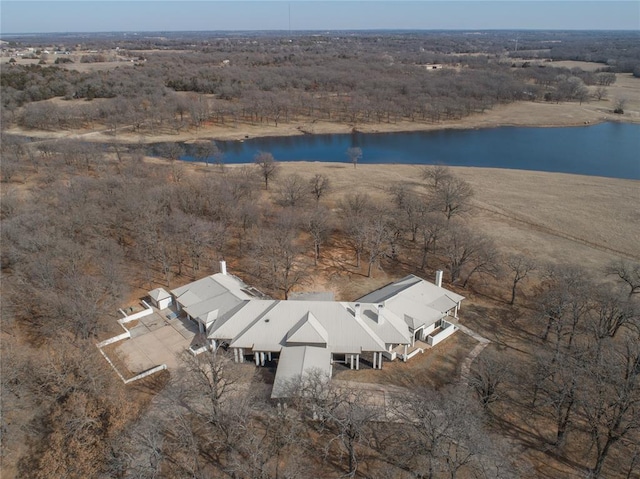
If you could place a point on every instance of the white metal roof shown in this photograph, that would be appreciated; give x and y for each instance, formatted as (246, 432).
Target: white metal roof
(159, 294)
(238, 320)
(413, 286)
(295, 361)
(221, 292)
(308, 331)
(345, 333)
(417, 301)
(387, 325)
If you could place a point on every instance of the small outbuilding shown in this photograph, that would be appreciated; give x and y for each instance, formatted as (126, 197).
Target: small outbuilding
(160, 298)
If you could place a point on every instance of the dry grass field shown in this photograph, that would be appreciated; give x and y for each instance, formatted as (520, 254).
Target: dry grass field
(555, 217)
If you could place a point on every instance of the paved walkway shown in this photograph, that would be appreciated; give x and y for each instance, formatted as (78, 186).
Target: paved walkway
(483, 342)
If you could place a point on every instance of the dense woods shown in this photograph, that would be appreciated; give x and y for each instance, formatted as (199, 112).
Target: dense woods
(344, 78)
(86, 228)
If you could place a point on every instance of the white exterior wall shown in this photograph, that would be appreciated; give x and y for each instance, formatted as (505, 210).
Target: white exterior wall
(164, 303)
(428, 329)
(442, 335)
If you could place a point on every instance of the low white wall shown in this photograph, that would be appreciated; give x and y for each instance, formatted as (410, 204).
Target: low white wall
(390, 355)
(200, 350)
(442, 335)
(141, 314)
(115, 339)
(414, 352)
(148, 372)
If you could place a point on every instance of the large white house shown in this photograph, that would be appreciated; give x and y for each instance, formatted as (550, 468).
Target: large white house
(391, 322)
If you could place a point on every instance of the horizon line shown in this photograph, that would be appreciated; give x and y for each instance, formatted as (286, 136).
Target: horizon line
(285, 30)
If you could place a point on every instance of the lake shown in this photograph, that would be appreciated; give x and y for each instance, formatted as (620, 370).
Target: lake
(606, 149)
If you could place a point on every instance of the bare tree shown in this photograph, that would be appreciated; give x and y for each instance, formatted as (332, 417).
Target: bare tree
(435, 175)
(431, 228)
(519, 266)
(356, 211)
(600, 93)
(377, 236)
(627, 271)
(320, 186)
(355, 154)
(463, 247)
(172, 151)
(558, 381)
(278, 255)
(609, 311)
(205, 150)
(267, 165)
(452, 196)
(412, 207)
(610, 401)
(318, 225)
(441, 435)
(487, 375)
(485, 261)
(292, 191)
(345, 415)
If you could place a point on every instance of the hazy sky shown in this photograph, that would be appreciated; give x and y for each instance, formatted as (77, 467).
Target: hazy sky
(26, 16)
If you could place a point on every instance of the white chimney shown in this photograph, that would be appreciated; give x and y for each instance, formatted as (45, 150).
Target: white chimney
(357, 310)
(439, 278)
(223, 267)
(380, 308)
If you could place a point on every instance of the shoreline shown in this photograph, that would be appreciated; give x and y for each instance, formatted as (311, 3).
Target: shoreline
(516, 115)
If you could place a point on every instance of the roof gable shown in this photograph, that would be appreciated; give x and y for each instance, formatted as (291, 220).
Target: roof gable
(159, 294)
(308, 331)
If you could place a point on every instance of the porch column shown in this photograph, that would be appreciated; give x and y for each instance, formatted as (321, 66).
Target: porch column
(261, 359)
(269, 355)
(406, 349)
(241, 354)
(357, 362)
(455, 311)
(213, 344)
(351, 361)
(256, 357)
(374, 360)
(379, 360)
(235, 355)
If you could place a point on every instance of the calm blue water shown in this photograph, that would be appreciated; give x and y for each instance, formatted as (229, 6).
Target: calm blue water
(607, 149)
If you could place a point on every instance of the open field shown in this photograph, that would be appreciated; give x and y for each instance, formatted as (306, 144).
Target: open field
(555, 217)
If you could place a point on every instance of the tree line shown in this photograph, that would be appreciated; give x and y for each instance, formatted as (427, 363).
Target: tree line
(270, 80)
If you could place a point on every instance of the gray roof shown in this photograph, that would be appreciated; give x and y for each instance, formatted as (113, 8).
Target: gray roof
(221, 292)
(294, 362)
(239, 319)
(387, 325)
(344, 332)
(308, 331)
(159, 294)
(417, 301)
